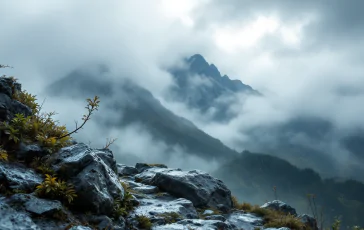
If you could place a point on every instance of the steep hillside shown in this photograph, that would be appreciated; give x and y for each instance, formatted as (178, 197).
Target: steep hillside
(137, 105)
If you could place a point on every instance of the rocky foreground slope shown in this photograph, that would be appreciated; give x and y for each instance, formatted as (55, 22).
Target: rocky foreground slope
(161, 197)
(50, 182)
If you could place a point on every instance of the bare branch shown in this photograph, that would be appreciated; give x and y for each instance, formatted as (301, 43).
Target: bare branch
(109, 142)
(92, 105)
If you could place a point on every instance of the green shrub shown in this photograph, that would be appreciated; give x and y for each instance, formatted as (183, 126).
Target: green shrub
(56, 189)
(3, 155)
(241, 206)
(40, 127)
(272, 218)
(144, 222)
(123, 207)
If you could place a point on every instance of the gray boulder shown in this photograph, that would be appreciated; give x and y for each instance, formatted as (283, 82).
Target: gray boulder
(108, 157)
(27, 153)
(105, 223)
(96, 183)
(124, 170)
(197, 186)
(17, 176)
(245, 221)
(9, 107)
(280, 206)
(14, 220)
(155, 208)
(148, 174)
(143, 166)
(309, 221)
(36, 205)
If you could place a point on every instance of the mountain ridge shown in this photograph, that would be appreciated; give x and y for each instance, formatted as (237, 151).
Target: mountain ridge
(138, 105)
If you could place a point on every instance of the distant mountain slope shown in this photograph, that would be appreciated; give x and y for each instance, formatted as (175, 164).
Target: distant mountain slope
(305, 140)
(252, 176)
(137, 105)
(201, 86)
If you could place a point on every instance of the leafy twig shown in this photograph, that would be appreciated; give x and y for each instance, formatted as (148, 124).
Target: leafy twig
(92, 105)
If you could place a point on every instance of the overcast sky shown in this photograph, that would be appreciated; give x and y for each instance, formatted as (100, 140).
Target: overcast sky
(306, 56)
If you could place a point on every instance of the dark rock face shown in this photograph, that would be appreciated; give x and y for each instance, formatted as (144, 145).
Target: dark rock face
(215, 217)
(14, 220)
(17, 176)
(196, 186)
(280, 206)
(9, 107)
(108, 157)
(36, 205)
(309, 221)
(124, 170)
(148, 174)
(27, 153)
(5, 86)
(95, 182)
(105, 223)
(141, 167)
(245, 221)
(197, 224)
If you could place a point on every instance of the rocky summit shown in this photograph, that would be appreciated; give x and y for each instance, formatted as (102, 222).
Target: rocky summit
(50, 182)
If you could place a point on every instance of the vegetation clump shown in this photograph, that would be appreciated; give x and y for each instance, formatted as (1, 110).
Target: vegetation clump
(123, 207)
(54, 188)
(272, 218)
(3, 154)
(170, 217)
(40, 128)
(144, 222)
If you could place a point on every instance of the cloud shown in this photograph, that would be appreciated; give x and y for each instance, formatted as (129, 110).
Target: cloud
(133, 37)
(305, 56)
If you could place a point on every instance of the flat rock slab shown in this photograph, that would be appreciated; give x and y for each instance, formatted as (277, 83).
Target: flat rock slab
(155, 207)
(245, 221)
(13, 220)
(36, 205)
(197, 186)
(17, 176)
(197, 224)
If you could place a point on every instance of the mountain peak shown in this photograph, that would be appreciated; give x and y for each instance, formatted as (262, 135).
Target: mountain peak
(199, 65)
(197, 58)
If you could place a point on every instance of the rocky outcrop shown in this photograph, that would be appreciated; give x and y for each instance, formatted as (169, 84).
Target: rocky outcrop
(9, 107)
(17, 176)
(154, 196)
(35, 205)
(199, 187)
(14, 220)
(95, 181)
(124, 170)
(309, 221)
(280, 206)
